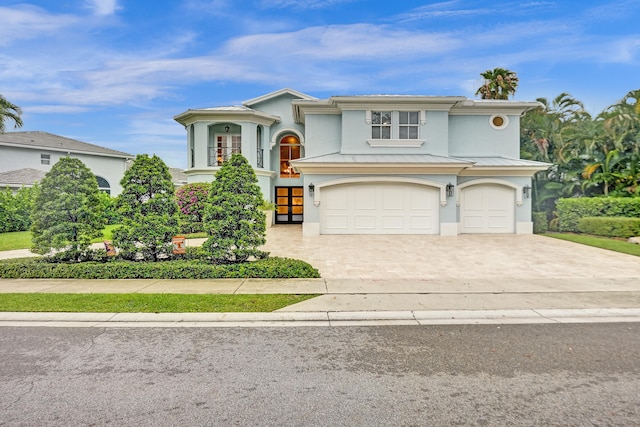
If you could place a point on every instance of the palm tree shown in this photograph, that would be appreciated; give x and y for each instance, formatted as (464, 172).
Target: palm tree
(9, 111)
(499, 83)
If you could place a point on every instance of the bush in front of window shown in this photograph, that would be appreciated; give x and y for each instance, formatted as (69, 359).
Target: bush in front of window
(67, 212)
(233, 219)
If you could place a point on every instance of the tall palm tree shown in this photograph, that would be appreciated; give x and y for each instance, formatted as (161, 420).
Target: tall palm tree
(499, 83)
(9, 111)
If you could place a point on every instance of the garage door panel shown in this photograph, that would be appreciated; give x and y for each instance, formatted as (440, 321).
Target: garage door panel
(362, 222)
(487, 208)
(363, 200)
(381, 208)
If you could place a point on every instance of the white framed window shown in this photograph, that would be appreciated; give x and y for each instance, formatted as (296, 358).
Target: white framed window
(408, 125)
(395, 128)
(45, 159)
(381, 125)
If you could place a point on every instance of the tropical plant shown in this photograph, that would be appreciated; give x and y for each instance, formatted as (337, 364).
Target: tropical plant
(66, 212)
(499, 83)
(148, 210)
(9, 111)
(233, 218)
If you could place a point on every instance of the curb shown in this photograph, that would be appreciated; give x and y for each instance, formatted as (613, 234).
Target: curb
(321, 318)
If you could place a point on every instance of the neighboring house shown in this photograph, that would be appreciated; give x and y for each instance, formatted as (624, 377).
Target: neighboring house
(26, 156)
(378, 164)
(178, 177)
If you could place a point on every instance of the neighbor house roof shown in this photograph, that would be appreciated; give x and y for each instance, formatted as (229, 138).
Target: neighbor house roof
(51, 142)
(178, 177)
(21, 177)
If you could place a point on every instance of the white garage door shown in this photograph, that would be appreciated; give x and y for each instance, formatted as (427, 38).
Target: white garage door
(379, 208)
(487, 209)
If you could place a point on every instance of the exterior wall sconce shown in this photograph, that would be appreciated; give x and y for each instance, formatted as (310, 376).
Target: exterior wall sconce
(226, 128)
(450, 188)
(312, 189)
(526, 191)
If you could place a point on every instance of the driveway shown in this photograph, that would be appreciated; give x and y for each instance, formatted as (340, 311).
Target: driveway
(452, 258)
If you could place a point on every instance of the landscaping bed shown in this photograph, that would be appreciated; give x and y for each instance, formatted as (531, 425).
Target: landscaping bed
(269, 268)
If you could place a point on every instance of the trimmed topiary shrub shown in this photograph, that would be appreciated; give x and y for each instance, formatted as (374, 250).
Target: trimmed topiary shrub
(610, 227)
(570, 211)
(149, 211)
(233, 220)
(540, 223)
(67, 212)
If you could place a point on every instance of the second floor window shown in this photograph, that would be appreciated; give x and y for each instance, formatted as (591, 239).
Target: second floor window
(224, 147)
(45, 159)
(381, 124)
(289, 150)
(408, 128)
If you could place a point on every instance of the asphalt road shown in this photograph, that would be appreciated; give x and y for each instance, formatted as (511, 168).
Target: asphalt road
(512, 375)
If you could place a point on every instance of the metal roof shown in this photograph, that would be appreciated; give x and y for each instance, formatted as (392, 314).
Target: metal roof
(38, 139)
(383, 159)
(502, 162)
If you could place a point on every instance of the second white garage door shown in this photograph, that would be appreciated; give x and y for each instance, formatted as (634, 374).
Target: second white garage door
(487, 209)
(379, 208)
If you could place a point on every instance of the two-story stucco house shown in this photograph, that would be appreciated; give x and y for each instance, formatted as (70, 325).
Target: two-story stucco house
(25, 157)
(377, 164)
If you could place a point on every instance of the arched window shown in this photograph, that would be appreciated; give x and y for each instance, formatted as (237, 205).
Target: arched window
(103, 185)
(289, 150)
(260, 153)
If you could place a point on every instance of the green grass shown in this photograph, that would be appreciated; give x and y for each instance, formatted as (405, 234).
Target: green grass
(146, 303)
(22, 239)
(621, 246)
(15, 240)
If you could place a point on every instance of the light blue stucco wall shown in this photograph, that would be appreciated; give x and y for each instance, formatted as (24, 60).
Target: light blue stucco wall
(323, 133)
(473, 136)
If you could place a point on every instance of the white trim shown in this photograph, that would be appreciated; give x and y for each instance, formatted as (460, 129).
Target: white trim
(372, 179)
(277, 136)
(516, 187)
(423, 117)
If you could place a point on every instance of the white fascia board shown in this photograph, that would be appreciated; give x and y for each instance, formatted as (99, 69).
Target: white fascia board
(68, 151)
(396, 102)
(488, 107)
(320, 106)
(193, 116)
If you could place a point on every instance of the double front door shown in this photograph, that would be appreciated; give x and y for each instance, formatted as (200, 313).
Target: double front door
(290, 201)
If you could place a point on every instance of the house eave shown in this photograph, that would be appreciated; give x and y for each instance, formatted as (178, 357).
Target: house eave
(193, 116)
(66, 150)
(377, 168)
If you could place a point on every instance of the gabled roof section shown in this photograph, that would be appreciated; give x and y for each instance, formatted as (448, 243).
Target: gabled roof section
(51, 142)
(226, 114)
(21, 177)
(284, 91)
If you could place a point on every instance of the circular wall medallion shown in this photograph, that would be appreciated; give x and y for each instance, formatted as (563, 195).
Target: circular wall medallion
(498, 121)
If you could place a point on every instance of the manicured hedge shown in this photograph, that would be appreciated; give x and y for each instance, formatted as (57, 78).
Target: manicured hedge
(570, 211)
(272, 268)
(610, 227)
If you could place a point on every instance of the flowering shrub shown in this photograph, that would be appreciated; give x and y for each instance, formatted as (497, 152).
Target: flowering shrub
(191, 199)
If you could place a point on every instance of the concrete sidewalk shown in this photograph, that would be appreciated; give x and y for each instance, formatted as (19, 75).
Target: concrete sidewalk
(356, 302)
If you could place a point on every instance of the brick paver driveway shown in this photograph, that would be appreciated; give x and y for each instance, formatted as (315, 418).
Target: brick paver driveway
(464, 257)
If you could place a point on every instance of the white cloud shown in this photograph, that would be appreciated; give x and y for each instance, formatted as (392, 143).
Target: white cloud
(22, 22)
(102, 7)
(302, 4)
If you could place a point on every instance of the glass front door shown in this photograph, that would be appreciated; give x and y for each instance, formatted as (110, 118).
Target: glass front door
(290, 201)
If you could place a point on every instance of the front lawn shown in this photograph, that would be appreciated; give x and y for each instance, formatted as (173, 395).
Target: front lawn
(22, 239)
(621, 246)
(147, 303)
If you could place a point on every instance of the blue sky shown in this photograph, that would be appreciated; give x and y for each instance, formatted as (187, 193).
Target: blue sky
(115, 72)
